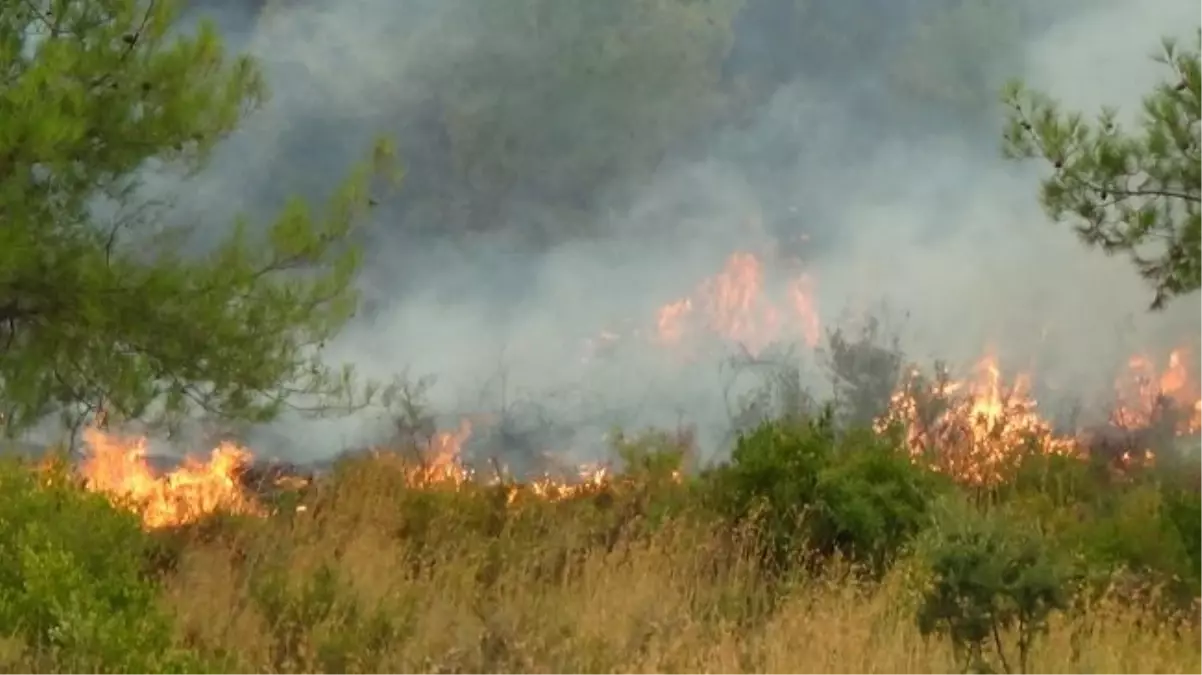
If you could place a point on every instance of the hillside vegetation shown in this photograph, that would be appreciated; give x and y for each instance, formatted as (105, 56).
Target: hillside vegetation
(812, 550)
(913, 522)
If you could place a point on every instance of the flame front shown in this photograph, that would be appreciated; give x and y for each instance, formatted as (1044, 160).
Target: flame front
(118, 467)
(982, 427)
(975, 429)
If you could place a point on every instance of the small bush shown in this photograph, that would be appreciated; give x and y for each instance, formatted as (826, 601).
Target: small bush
(1183, 509)
(993, 581)
(72, 589)
(318, 625)
(814, 490)
(1143, 521)
(872, 499)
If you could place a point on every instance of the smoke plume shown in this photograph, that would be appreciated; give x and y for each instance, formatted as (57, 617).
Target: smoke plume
(882, 185)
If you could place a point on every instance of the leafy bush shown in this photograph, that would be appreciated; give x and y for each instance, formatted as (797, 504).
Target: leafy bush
(72, 589)
(990, 579)
(1134, 531)
(865, 370)
(814, 490)
(1183, 509)
(1143, 521)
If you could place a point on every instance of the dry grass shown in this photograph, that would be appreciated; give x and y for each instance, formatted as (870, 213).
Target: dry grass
(538, 597)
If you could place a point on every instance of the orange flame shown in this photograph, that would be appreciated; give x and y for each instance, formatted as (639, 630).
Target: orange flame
(442, 461)
(1143, 393)
(734, 306)
(118, 467)
(984, 427)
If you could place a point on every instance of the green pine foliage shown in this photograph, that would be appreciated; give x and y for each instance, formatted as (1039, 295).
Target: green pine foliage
(101, 304)
(1136, 192)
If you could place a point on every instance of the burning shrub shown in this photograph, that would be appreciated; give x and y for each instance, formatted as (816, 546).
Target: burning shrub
(818, 491)
(71, 587)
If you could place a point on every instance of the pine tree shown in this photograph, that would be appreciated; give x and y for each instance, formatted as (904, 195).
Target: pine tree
(103, 303)
(1133, 192)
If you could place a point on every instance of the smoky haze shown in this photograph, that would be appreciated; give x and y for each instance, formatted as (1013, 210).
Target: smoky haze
(529, 221)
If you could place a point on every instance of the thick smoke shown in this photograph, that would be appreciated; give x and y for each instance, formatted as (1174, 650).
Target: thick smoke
(898, 203)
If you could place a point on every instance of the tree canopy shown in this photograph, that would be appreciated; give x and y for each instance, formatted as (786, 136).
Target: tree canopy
(1127, 191)
(104, 305)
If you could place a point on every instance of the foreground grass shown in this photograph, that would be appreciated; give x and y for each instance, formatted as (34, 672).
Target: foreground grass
(641, 608)
(372, 577)
(366, 574)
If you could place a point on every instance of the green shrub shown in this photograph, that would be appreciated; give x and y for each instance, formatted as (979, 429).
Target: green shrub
(653, 474)
(1063, 481)
(994, 580)
(1145, 522)
(1134, 530)
(1183, 508)
(816, 491)
(72, 589)
(872, 499)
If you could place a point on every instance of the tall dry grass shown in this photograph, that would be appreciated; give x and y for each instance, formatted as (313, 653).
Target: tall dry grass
(353, 583)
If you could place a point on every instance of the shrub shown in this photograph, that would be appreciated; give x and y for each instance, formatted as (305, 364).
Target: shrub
(816, 491)
(72, 589)
(319, 625)
(1145, 522)
(872, 499)
(1183, 509)
(991, 578)
(654, 464)
(1134, 530)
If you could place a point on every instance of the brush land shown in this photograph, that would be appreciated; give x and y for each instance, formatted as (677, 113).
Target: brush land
(910, 524)
(813, 550)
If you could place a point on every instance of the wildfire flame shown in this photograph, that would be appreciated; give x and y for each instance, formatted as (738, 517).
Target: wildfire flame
(974, 429)
(981, 428)
(1141, 393)
(118, 467)
(734, 306)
